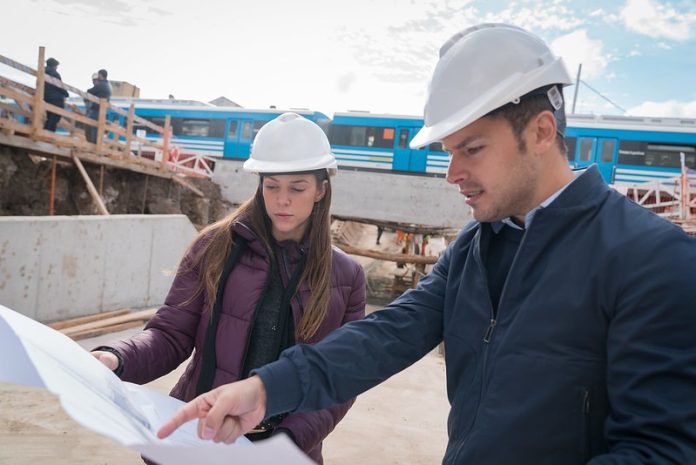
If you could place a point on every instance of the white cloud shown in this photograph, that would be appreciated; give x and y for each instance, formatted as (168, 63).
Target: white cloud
(663, 46)
(576, 48)
(633, 53)
(673, 108)
(551, 17)
(657, 20)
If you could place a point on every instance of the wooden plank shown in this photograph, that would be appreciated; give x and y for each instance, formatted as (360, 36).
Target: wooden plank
(16, 65)
(13, 109)
(18, 86)
(391, 257)
(90, 187)
(104, 330)
(188, 185)
(165, 141)
(100, 125)
(38, 110)
(129, 126)
(141, 316)
(16, 95)
(31, 145)
(88, 319)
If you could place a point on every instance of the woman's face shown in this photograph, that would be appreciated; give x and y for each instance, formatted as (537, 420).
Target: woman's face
(289, 200)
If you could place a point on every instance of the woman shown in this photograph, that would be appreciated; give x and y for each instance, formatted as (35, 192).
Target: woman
(256, 282)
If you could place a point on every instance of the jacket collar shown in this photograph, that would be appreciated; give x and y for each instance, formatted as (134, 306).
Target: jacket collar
(292, 249)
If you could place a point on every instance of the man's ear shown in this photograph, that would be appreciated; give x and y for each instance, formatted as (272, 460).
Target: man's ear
(543, 131)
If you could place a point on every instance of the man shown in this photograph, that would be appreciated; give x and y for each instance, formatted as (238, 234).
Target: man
(100, 89)
(54, 95)
(567, 311)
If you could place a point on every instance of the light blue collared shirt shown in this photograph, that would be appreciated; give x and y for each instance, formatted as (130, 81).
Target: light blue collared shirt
(530, 215)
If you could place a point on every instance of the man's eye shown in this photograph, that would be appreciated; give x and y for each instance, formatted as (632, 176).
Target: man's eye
(474, 150)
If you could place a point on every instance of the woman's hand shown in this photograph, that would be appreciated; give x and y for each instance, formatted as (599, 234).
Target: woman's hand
(225, 413)
(107, 358)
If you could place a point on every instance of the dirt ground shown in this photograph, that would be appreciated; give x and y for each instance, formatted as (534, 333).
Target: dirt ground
(401, 421)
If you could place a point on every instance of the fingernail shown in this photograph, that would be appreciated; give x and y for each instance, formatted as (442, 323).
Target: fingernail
(208, 433)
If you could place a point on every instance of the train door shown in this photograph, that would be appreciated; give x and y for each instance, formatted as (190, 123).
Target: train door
(606, 157)
(405, 158)
(585, 153)
(238, 138)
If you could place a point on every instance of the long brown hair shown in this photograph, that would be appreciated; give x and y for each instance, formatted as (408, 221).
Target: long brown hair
(219, 240)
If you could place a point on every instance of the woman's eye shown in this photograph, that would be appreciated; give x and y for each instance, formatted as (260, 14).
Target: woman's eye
(294, 189)
(270, 187)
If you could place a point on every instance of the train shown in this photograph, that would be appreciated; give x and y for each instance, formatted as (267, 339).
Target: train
(627, 150)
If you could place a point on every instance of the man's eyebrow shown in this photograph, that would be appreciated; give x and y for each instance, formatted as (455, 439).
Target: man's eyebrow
(466, 141)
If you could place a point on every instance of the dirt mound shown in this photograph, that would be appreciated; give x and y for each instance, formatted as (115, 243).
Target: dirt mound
(25, 189)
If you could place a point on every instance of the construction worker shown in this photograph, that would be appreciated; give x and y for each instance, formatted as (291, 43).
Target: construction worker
(268, 275)
(567, 311)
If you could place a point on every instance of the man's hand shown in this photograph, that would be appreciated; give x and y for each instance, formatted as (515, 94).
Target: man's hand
(225, 413)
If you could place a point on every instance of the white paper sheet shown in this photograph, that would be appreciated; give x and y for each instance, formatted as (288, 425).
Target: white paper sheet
(35, 355)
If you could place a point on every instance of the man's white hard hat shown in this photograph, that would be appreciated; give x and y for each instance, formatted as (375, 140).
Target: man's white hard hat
(481, 69)
(289, 144)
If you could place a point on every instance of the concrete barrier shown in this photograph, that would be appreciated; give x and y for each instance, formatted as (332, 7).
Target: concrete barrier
(424, 200)
(58, 267)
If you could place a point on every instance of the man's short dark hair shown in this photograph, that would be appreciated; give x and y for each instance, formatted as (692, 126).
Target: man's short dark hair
(103, 73)
(518, 116)
(52, 62)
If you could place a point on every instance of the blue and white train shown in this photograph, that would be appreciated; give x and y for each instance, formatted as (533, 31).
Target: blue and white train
(628, 150)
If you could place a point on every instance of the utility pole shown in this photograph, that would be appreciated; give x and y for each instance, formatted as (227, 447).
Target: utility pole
(577, 86)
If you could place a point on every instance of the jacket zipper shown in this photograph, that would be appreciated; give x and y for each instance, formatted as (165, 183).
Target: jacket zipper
(488, 335)
(297, 290)
(253, 319)
(586, 424)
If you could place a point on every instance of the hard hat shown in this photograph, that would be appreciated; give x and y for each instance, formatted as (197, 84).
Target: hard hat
(481, 69)
(289, 144)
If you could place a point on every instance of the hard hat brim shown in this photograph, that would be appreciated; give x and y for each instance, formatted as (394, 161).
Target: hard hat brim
(327, 162)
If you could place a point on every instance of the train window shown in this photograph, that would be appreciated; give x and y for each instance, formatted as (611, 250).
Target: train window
(570, 147)
(246, 130)
(608, 146)
(191, 127)
(436, 147)
(669, 156)
(361, 136)
(586, 149)
(257, 125)
(217, 128)
(403, 138)
(159, 121)
(632, 152)
(232, 133)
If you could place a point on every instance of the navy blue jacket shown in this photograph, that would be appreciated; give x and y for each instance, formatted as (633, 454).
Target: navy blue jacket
(592, 358)
(54, 94)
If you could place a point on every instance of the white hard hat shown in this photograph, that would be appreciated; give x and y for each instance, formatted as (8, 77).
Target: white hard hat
(481, 69)
(288, 144)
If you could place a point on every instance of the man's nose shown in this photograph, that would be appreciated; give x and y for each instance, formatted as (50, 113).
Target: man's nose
(456, 171)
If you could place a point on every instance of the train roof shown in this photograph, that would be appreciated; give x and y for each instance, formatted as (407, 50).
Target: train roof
(635, 123)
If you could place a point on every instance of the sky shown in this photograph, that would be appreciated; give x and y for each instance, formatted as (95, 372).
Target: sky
(333, 56)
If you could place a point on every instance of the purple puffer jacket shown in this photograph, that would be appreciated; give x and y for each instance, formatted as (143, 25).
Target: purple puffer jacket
(177, 329)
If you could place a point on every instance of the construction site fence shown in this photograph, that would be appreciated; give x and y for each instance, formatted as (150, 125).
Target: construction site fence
(23, 111)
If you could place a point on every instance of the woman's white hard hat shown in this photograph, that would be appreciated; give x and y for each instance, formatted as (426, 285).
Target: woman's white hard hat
(481, 69)
(289, 144)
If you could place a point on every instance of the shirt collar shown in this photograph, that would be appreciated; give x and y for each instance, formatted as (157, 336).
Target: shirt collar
(498, 225)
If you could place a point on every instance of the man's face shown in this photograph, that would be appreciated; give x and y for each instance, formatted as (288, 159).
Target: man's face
(496, 177)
